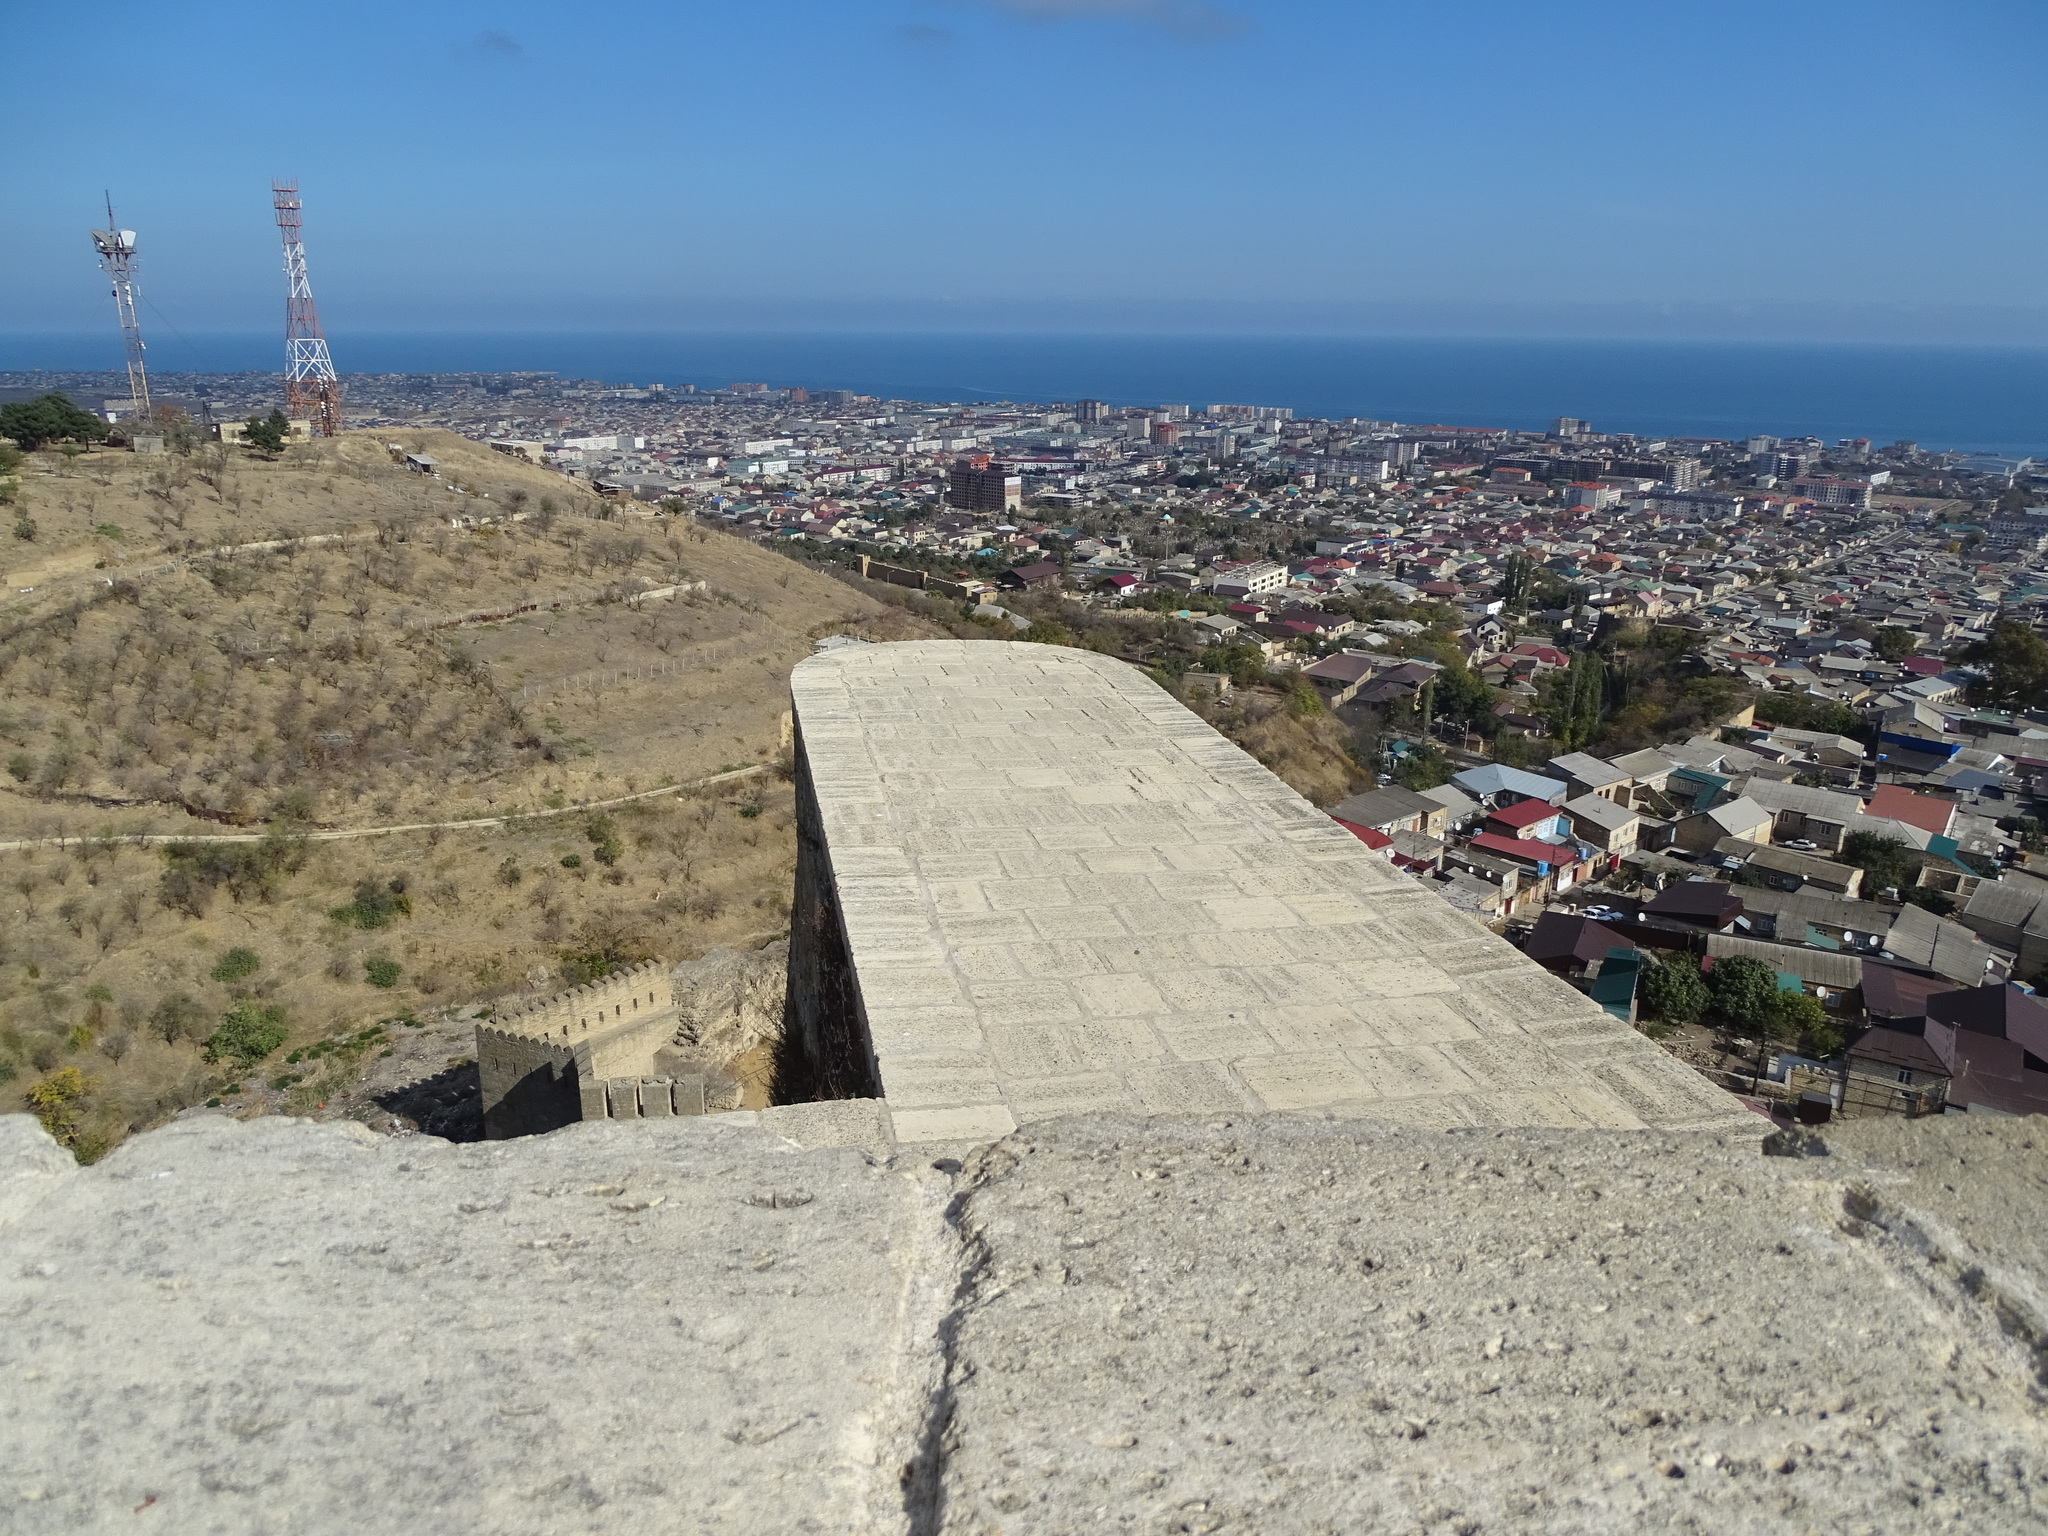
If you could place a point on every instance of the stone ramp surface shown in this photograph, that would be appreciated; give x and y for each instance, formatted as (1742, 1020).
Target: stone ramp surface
(282, 1327)
(1064, 893)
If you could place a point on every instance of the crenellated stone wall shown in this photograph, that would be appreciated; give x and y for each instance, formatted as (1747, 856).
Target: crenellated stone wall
(538, 1061)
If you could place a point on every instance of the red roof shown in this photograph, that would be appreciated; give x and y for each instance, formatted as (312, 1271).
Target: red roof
(1926, 666)
(1369, 836)
(1922, 811)
(1524, 813)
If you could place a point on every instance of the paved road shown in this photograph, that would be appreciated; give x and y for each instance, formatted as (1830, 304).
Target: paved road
(343, 834)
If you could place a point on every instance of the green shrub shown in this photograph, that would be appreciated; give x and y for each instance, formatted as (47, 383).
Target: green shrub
(381, 973)
(21, 767)
(248, 1032)
(1672, 990)
(604, 840)
(572, 861)
(1744, 993)
(375, 905)
(236, 964)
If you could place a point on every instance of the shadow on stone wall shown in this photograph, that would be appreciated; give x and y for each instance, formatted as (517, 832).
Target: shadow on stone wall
(824, 1051)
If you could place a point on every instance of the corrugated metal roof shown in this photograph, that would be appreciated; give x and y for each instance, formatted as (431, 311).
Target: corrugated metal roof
(1817, 967)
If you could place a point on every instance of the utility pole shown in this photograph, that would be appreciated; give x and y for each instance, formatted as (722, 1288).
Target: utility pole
(311, 389)
(117, 255)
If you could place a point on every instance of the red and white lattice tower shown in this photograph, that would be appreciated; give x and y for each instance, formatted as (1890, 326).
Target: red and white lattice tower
(311, 390)
(117, 254)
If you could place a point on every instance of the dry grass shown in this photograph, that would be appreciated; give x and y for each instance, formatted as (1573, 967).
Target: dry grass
(309, 682)
(111, 958)
(1306, 749)
(149, 685)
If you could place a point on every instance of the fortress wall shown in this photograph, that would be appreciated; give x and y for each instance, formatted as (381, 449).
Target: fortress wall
(535, 1059)
(826, 1051)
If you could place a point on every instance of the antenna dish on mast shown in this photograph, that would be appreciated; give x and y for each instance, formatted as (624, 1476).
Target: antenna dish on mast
(116, 247)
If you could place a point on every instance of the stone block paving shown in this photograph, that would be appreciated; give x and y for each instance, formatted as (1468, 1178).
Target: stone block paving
(1065, 892)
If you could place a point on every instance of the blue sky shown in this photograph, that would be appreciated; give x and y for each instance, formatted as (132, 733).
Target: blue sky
(1611, 167)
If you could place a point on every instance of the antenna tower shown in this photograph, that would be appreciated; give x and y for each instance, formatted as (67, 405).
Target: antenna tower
(117, 255)
(311, 389)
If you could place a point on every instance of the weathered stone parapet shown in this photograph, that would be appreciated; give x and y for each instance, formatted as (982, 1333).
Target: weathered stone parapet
(1031, 884)
(1272, 1324)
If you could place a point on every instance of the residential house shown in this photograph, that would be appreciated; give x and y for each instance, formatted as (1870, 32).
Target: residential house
(1042, 574)
(1610, 827)
(1392, 809)
(1827, 974)
(1932, 815)
(1696, 906)
(2013, 914)
(1515, 882)
(1649, 774)
(1572, 947)
(1789, 871)
(1537, 819)
(1498, 784)
(1891, 1071)
(1589, 775)
(1822, 816)
(1550, 866)
(1994, 1041)
(1921, 939)
(1460, 808)
(1338, 678)
(1742, 819)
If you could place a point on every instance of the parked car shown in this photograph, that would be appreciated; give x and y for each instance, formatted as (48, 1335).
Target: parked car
(1802, 845)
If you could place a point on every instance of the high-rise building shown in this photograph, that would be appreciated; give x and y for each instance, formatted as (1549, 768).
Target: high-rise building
(978, 488)
(1681, 474)
(1570, 426)
(1166, 434)
(1787, 462)
(1089, 410)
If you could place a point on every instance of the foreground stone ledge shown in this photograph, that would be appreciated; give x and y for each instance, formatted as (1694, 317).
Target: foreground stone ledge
(1265, 1324)
(277, 1326)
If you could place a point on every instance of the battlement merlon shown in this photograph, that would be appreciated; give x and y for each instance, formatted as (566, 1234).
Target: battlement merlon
(633, 995)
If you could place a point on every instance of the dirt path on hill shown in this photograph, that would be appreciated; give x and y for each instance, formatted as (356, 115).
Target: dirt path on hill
(345, 834)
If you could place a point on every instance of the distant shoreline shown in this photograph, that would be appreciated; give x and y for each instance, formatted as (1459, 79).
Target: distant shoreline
(1974, 398)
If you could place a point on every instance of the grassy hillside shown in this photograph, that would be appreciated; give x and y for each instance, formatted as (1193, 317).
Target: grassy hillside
(227, 645)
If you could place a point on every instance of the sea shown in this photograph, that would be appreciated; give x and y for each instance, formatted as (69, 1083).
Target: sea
(1971, 399)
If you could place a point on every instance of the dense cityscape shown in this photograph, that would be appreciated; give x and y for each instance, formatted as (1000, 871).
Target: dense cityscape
(1804, 666)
